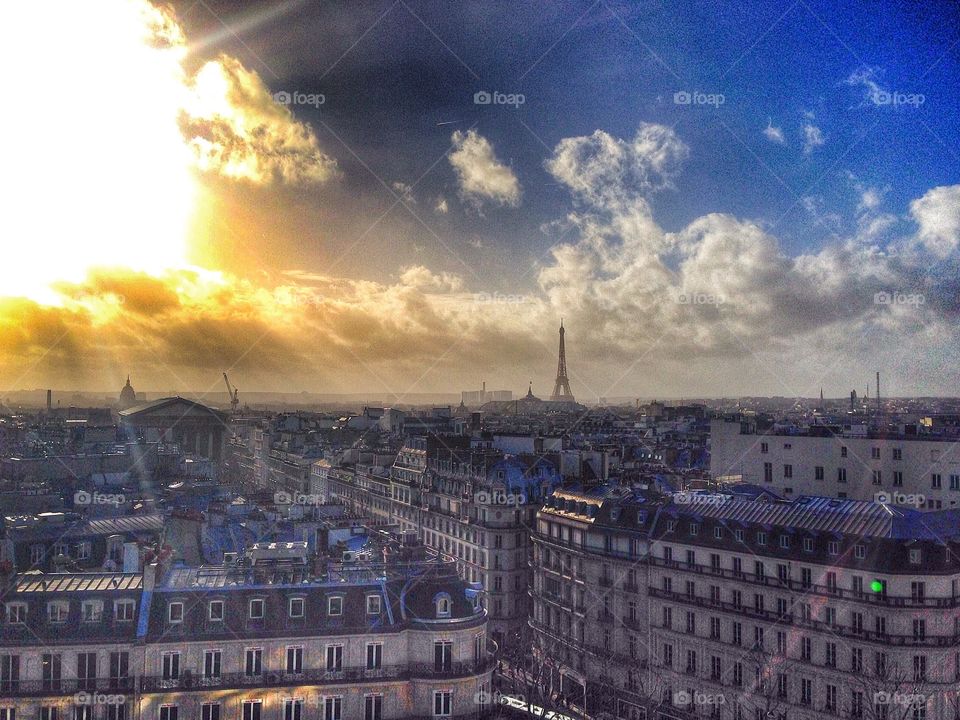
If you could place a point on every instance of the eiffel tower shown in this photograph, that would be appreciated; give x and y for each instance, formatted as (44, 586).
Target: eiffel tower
(561, 388)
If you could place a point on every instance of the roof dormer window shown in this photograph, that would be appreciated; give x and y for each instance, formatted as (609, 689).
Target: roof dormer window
(91, 611)
(256, 609)
(175, 612)
(58, 611)
(16, 613)
(442, 604)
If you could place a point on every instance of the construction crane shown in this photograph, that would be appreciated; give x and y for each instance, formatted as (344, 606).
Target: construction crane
(233, 393)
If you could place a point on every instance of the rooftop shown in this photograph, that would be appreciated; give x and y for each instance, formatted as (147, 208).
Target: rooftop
(77, 582)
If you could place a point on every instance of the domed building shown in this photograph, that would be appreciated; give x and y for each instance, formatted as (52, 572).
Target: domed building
(128, 396)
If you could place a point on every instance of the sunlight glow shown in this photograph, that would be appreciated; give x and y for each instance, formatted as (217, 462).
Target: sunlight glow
(98, 169)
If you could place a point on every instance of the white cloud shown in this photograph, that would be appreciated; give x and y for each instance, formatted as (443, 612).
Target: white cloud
(937, 214)
(237, 129)
(812, 138)
(865, 77)
(723, 287)
(601, 169)
(441, 207)
(774, 134)
(480, 174)
(405, 192)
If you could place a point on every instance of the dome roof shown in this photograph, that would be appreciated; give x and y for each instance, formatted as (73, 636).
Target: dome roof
(128, 397)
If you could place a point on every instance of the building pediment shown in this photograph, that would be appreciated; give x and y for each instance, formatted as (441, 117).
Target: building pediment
(174, 407)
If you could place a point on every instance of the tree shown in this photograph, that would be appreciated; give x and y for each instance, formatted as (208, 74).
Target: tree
(891, 691)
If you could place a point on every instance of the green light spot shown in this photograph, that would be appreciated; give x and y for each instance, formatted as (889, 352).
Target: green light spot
(876, 586)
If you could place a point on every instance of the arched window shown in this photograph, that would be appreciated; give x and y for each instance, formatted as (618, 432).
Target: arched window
(442, 604)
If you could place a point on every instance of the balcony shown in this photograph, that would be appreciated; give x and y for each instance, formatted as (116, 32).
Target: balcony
(51, 688)
(881, 638)
(876, 599)
(187, 681)
(633, 623)
(769, 615)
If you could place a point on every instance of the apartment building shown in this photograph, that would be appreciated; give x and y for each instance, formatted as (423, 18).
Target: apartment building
(272, 636)
(474, 505)
(730, 608)
(916, 470)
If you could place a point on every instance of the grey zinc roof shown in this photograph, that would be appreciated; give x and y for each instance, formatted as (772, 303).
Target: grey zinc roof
(827, 515)
(129, 523)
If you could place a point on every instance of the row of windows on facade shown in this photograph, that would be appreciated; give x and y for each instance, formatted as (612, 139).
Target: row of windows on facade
(170, 664)
(829, 617)
(759, 687)
(58, 611)
(876, 476)
(915, 708)
(256, 608)
(880, 664)
(77, 551)
(875, 454)
(878, 586)
(785, 541)
(761, 537)
(918, 588)
(331, 708)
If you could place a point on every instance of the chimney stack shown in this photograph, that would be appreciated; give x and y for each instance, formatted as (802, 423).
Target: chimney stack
(878, 391)
(49, 400)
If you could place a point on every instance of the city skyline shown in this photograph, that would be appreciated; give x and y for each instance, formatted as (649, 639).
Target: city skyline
(391, 199)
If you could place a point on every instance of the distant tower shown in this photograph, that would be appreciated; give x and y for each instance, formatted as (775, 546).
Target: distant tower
(561, 388)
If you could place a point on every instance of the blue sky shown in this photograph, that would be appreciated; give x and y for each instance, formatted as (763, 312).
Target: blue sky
(388, 78)
(719, 198)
